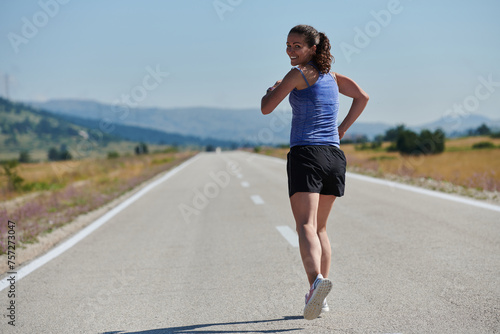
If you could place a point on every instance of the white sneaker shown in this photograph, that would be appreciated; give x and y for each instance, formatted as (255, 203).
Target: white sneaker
(325, 307)
(317, 294)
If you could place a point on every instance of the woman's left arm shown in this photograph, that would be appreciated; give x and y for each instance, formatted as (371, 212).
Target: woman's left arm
(279, 91)
(350, 88)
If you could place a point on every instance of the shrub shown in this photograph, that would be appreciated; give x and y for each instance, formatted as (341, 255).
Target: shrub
(24, 157)
(142, 148)
(56, 155)
(362, 147)
(113, 155)
(483, 144)
(13, 179)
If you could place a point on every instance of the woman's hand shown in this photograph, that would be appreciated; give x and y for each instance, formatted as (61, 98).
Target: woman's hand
(341, 133)
(270, 89)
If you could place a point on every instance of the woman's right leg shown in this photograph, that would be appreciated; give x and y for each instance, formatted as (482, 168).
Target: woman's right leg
(324, 208)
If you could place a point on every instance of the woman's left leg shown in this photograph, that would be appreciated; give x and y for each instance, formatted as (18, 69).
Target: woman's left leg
(305, 210)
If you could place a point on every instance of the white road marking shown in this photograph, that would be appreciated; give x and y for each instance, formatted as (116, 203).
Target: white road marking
(245, 184)
(55, 252)
(423, 191)
(278, 160)
(289, 235)
(257, 199)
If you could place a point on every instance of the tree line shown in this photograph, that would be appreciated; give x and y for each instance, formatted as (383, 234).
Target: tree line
(406, 141)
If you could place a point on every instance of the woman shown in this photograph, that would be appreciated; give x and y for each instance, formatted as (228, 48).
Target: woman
(316, 165)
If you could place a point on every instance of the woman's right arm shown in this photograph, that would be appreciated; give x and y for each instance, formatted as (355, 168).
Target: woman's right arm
(350, 88)
(279, 91)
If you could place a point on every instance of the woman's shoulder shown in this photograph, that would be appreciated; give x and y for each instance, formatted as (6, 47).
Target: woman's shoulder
(334, 75)
(295, 73)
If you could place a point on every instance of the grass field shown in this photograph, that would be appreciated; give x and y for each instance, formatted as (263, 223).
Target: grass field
(55, 193)
(80, 152)
(459, 164)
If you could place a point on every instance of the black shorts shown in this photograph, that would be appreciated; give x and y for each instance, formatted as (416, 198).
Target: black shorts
(316, 169)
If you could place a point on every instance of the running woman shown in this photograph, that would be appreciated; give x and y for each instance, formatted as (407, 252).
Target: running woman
(315, 164)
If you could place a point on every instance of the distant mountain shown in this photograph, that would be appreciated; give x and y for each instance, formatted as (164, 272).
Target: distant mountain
(241, 126)
(457, 125)
(24, 128)
(244, 126)
(152, 136)
(369, 130)
(28, 128)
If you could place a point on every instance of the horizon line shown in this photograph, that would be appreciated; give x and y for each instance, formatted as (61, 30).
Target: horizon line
(91, 100)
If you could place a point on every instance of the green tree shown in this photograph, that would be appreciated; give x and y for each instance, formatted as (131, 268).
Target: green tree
(64, 153)
(377, 142)
(407, 142)
(14, 181)
(53, 154)
(24, 157)
(439, 140)
(483, 130)
(393, 133)
(142, 148)
(427, 142)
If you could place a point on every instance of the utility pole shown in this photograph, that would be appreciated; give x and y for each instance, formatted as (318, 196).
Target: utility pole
(6, 86)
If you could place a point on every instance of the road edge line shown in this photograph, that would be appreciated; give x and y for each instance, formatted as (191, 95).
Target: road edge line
(65, 245)
(393, 184)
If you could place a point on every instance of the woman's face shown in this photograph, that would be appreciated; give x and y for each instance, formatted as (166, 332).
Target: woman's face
(298, 50)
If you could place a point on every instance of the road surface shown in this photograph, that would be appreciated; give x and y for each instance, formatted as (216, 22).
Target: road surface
(212, 249)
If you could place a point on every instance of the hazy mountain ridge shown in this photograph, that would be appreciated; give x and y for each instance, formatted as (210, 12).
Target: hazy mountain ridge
(244, 126)
(456, 125)
(23, 128)
(29, 128)
(140, 134)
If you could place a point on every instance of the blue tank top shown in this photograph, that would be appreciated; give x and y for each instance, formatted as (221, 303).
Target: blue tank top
(315, 111)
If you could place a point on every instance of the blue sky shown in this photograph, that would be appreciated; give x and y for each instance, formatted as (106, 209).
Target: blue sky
(418, 60)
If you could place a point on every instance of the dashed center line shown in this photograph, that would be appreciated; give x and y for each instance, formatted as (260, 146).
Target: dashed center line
(289, 235)
(245, 184)
(257, 199)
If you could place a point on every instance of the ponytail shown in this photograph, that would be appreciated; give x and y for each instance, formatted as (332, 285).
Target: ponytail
(323, 58)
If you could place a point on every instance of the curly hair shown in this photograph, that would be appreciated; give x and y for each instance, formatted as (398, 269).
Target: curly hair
(322, 58)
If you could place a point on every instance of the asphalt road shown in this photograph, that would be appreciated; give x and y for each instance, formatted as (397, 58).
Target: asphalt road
(206, 251)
